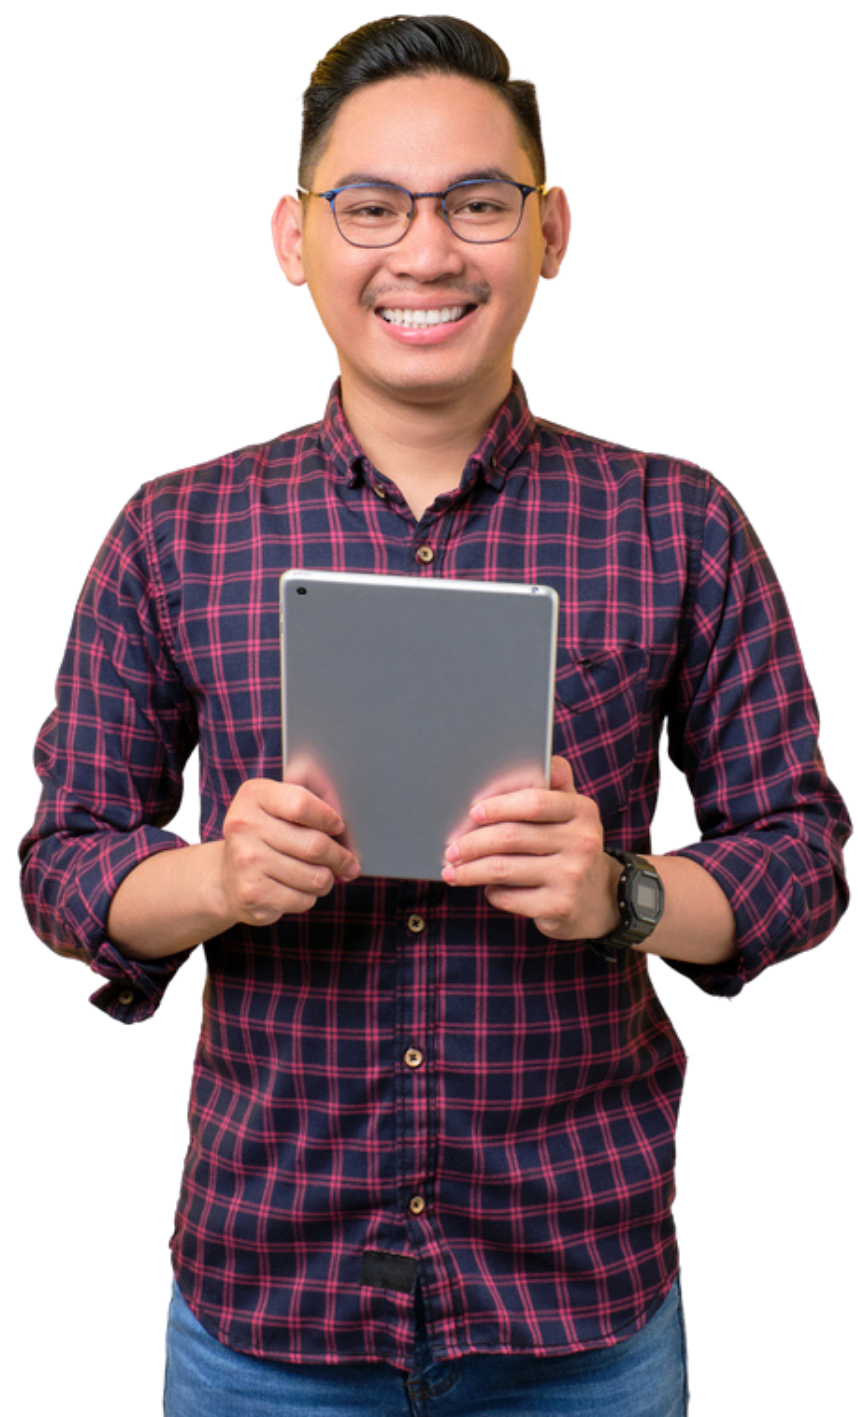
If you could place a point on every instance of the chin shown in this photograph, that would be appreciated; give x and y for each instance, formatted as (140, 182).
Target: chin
(431, 380)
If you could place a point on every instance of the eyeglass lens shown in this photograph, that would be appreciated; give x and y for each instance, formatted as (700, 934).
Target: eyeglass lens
(477, 211)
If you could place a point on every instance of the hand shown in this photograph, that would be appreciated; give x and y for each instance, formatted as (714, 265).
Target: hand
(539, 852)
(280, 852)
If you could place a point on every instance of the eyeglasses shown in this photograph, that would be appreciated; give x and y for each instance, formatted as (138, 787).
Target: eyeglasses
(375, 214)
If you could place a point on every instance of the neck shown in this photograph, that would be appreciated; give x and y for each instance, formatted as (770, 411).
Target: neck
(421, 446)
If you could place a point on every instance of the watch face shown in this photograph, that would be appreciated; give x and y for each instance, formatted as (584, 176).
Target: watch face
(647, 900)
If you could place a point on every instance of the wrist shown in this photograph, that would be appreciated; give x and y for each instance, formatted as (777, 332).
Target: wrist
(611, 919)
(170, 902)
(640, 905)
(214, 899)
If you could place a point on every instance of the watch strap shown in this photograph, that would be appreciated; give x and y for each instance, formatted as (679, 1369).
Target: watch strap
(633, 928)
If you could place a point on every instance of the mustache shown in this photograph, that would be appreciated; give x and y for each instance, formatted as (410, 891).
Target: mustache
(466, 292)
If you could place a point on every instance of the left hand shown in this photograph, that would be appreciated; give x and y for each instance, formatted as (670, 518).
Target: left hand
(539, 852)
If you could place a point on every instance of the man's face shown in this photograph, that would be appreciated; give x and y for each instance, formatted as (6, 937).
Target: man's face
(423, 133)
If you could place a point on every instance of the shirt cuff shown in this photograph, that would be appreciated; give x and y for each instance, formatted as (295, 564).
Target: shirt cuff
(769, 906)
(135, 987)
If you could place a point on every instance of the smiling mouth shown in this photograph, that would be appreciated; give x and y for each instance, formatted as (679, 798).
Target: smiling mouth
(424, 319)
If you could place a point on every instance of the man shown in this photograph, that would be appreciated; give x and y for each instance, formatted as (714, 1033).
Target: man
(432, 1125)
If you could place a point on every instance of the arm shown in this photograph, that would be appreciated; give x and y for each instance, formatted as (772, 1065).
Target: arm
(277, 857)
(541, 854)
(743, 728)
(103, 880)
(698, 925)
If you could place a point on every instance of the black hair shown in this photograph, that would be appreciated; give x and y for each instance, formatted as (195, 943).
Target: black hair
(412, 44)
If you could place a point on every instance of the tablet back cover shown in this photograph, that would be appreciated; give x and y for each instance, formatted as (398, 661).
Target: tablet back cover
(406, 698)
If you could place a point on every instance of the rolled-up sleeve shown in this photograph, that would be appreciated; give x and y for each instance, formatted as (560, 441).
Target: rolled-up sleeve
(110, 759)
(745, 731)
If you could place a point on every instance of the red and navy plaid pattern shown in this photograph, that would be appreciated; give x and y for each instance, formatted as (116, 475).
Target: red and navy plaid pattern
(537, 1128)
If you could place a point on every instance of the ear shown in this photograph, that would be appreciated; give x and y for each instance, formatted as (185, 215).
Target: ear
(556, 227)
(287, 229)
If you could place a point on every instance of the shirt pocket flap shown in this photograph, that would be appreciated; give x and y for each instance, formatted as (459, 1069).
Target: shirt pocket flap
(599, 707)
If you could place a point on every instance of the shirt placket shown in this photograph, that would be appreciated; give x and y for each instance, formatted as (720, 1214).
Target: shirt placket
(415, 1047)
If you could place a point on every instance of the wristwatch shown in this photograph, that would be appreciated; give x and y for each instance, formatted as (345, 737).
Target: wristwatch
(640, 897)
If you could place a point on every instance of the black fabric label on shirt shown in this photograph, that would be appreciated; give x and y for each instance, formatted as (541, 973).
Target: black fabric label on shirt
(383, 1271)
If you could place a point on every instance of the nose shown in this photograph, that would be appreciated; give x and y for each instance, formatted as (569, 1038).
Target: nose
(429, 249)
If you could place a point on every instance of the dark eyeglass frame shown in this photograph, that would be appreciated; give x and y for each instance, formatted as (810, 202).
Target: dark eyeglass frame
(333, 192)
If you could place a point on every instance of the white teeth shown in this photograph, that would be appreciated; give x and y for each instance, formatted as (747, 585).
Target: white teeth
(421, 319)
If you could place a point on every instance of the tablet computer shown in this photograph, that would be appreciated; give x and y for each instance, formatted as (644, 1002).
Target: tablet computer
(405, 698)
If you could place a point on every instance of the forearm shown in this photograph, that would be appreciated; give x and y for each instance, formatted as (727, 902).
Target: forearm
(697, 926)
(169, 903)
(277, 856)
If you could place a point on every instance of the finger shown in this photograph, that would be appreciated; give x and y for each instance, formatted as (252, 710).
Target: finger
(284, 801)
(291, 802)
(515, 873)
(528, 804)
(562, 779)
(292, 841)
(311, 878)
(532, 904)
(507, 838)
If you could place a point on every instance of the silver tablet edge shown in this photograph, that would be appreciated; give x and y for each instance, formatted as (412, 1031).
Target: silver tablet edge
(369, 578)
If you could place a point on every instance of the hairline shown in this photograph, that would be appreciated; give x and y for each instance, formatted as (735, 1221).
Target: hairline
(317, 151)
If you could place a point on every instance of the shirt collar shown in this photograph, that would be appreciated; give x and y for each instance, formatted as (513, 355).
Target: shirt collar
(497, 453)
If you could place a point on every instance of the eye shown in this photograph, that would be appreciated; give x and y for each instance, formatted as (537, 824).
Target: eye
(368, 212)
(477, 206)
(483, 203)
(370, 206)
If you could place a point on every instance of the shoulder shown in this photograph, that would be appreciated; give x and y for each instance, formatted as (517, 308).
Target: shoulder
(657, 479)
(188, 519)
(279, 459)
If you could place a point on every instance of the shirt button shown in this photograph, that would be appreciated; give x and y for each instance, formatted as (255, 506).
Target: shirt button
(425, 554)
(414, 1058)
(417, 1205)
(416, 924)
(127, 996)
(380, 490)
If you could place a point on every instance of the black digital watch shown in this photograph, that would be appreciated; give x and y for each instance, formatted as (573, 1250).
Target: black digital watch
(640, 898)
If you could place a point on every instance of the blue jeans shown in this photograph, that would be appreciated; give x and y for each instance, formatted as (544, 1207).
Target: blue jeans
(643, 1377)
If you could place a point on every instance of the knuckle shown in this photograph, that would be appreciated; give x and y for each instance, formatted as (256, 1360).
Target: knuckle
(315, 845)
(237, 821)
(322, 881)
(301, 902)
(590, 848)
(294, 800)
(497, 897)
(550, 926)
(247, 893)
(242, 858)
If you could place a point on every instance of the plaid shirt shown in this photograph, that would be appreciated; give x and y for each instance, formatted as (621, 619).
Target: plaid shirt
(405, 1083)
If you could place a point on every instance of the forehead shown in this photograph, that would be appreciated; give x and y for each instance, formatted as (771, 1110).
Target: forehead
(422, 130)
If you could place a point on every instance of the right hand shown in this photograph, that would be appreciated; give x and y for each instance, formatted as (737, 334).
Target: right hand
(280, 852)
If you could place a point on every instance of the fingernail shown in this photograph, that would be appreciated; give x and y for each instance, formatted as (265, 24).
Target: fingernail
(448, 874)
(353, 872)
(453, 853)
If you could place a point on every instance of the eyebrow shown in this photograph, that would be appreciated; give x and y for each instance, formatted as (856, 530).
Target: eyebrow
(372, 179)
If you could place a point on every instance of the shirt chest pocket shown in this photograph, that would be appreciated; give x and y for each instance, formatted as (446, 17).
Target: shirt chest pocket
(600, 701)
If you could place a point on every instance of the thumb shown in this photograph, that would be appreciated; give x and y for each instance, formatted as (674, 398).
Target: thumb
(561, 775)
